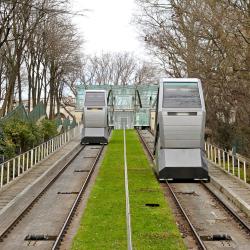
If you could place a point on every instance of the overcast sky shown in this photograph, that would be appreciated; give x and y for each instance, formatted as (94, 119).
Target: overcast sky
(107, 26)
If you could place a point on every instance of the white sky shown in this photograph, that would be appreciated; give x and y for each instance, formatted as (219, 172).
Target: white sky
(107, 26)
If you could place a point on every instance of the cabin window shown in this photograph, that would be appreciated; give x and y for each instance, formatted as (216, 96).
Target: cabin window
(95, 99)
(181, 95)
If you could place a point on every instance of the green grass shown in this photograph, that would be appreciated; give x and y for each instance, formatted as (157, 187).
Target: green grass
(103, 225)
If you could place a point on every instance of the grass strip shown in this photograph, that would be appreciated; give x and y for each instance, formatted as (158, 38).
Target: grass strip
(103, 225)
(152, 227)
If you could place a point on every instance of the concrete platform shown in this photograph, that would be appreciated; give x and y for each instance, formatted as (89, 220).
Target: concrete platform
(16, 196)
(233, 188)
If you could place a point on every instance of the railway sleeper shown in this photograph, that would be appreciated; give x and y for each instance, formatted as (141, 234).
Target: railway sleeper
(40, 237)
(82, 171)
(68, 193)
(216, 237)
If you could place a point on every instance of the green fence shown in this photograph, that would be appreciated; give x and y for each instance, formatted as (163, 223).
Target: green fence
(37, 113)
(18, 113)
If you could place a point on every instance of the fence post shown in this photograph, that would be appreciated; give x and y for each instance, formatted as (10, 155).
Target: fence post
(32, 156)
(238, 168)
(13, 168)
(228, 163)
(18, 165)
(27, 160)
(23, 163)
(245, 175)
(52, 145)
(1, 184)
(224, 164)
(208, 151)
(8, 172)
(219, 155)
(233, 163)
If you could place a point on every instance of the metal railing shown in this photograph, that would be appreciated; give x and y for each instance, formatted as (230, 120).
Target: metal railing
(232, 163)
(15, 167)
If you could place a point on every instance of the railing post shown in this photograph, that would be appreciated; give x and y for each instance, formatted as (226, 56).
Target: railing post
(215, 155)
(228, 163)
(27, 160)
(18, 165)
(39, 155)
(208, 151)
(36, 154)
(1, 183)
(238, 168)
(13, 168)
(224, 163)
(212, 152)
(245, 175)
(233, 163)
(42, 151)
(219, 155)
(23, 163)
(32, 156)
(8, 172)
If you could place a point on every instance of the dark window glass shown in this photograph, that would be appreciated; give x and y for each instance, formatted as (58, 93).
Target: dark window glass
(181, 95)
(95, 99)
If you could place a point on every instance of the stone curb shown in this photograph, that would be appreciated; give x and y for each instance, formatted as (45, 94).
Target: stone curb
(234, 198)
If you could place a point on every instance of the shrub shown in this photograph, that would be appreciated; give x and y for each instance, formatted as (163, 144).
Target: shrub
(23, 134)
(48, 129)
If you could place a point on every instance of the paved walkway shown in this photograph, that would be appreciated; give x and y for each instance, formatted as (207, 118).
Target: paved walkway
(9, 192)
(236, 190)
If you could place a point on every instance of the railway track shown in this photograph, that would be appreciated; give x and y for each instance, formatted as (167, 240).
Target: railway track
(44, 222)
(213, 222)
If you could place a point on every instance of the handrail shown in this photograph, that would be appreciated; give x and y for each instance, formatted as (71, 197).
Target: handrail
(234, 164)
(18, 165)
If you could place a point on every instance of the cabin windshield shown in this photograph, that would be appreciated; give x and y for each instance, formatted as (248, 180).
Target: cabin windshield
(181, 95)
(95, 99)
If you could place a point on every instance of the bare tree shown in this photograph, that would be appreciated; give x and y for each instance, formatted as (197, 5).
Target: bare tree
(117, 69)
(209, 40)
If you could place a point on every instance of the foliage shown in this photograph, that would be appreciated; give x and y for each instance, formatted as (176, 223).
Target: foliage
(48, 129)
(7, 148)
(19, 136)
(23, 134)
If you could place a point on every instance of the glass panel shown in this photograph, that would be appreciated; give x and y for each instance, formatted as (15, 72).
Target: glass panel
(95, 99)
(181, 95)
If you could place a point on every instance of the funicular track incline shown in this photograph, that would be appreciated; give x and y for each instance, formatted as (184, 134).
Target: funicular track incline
(201, 230)
(45, 220)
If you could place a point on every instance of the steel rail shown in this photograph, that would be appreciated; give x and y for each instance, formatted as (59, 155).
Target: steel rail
(76, 202)
(37, 197)
(146, 146)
